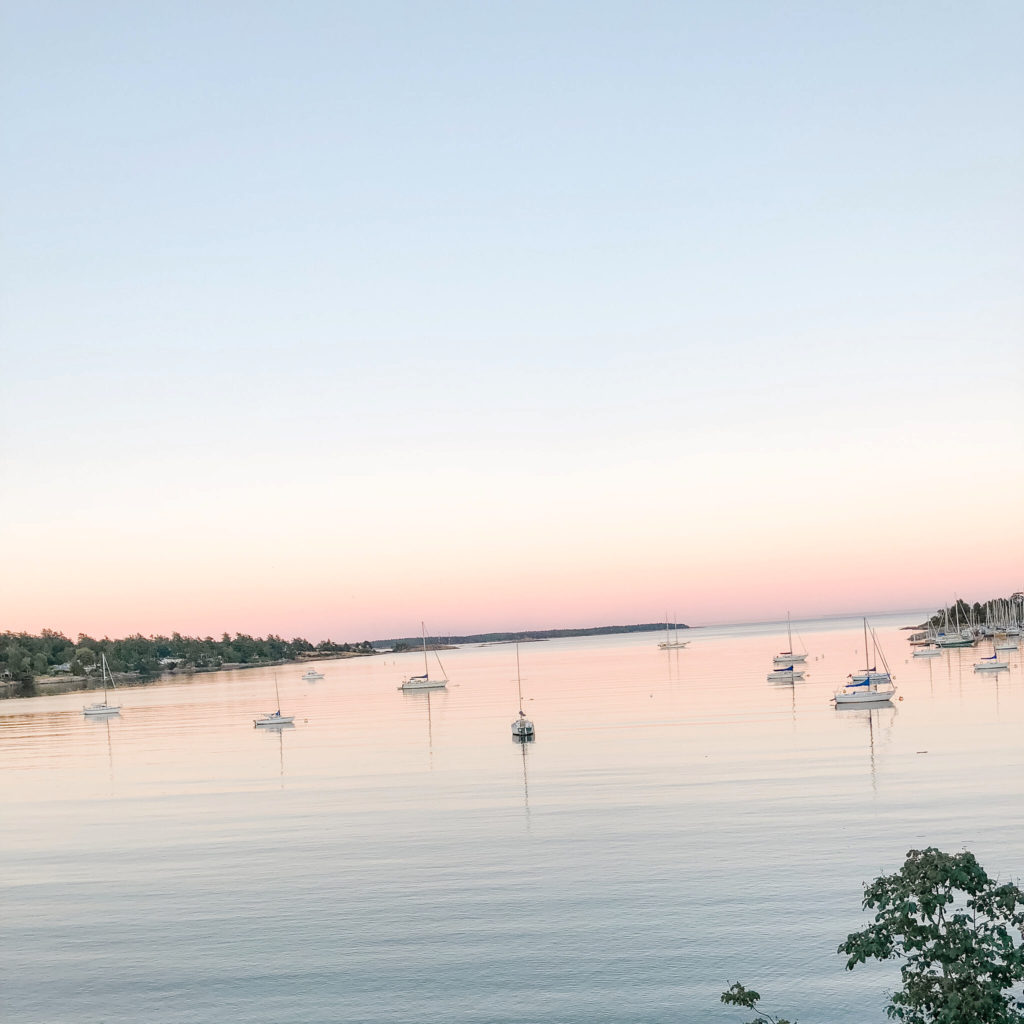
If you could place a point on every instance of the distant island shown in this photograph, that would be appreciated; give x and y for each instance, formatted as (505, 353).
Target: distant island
(405, 643)
(62, 664)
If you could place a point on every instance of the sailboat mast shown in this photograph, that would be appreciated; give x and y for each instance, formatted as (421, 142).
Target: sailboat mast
(519, 680)
(867, 664)
(277, 694)
(789, 632)
(426, 669)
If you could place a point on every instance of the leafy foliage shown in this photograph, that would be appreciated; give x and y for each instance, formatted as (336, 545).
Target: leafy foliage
(737, 995)
(23, 656)
(959, 934)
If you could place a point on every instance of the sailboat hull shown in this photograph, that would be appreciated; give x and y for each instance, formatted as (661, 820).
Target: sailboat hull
(101, 709)
(865, 697)
(789, 659)
(428, 684)
(275, 720)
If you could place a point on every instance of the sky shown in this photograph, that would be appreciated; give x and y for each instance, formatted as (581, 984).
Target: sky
(326, 318)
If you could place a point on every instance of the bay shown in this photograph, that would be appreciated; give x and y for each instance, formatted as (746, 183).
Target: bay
(680, 823)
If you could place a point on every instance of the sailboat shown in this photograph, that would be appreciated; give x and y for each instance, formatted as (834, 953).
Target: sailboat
(959, 637)
(275, 717)
(788, 657)
(312, 675)
(104, 708)
(522, 727)
(671, 641)
(424, 682)
(991, 662)
(869, 686)
(785, 675)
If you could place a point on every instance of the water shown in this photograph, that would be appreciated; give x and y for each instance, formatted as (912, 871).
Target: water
(679, 824)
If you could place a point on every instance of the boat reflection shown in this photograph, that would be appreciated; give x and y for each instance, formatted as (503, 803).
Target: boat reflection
(523, 742)
(879, 719)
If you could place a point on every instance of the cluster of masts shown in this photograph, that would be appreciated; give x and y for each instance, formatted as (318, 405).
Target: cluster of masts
(867, 686)
(1002, 625)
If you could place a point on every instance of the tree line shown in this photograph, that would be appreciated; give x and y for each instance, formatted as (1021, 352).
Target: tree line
(24, 656)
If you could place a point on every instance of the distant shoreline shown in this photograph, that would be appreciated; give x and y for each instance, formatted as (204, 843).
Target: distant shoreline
(48, 686)
(511, 636)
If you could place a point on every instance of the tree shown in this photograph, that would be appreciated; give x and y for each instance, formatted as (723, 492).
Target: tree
(737, 995)
(959, 934)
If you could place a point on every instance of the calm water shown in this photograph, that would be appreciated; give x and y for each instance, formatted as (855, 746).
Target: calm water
(679, 823)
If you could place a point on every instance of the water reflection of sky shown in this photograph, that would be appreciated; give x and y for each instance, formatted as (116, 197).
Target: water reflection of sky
(703, 823)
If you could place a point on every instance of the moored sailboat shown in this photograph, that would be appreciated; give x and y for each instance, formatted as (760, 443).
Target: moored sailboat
(992, 662)
(784, 675)
(424, 682)
(789, 656)
(103, 708)
(275, 717)
(522, 727)
(671, 641)
(869, 686)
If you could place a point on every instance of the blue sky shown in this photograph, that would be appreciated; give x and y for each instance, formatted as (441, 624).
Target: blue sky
(516, 250)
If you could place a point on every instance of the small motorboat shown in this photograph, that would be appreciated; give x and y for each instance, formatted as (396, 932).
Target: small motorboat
(312, 675)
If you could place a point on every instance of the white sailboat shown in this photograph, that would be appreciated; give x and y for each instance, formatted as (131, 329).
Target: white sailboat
(789, 656)
(104, 708)
(424, 682)
(991, 663)
(275, 717)
(785, 675)
(522, 727)
(312, 675)
(928, 652)
(671, 641)
(869, 686)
